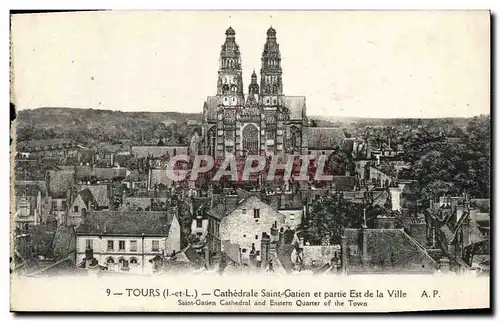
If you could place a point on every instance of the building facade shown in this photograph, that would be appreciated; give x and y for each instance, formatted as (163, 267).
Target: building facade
(264, 121)
(128, 241)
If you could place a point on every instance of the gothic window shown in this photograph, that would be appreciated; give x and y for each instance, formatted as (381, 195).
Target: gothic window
(250, 138)
(294, 137)
(211, 135)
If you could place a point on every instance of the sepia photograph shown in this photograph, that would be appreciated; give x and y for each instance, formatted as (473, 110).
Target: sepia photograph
(250, 161)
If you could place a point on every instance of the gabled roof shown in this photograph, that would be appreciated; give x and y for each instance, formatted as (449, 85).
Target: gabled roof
(127, 223)
(100, 193)
(194, 258)
(324, 138)
(88, 198)
(225, 206)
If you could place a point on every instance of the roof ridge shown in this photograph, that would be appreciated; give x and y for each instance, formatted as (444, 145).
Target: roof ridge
(422, 248)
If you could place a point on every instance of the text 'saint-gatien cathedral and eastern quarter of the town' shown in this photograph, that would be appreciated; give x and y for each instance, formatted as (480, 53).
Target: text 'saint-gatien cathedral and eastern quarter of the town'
(264, 121)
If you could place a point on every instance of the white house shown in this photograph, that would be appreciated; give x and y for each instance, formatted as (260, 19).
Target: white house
(128, 241)
(245, 224)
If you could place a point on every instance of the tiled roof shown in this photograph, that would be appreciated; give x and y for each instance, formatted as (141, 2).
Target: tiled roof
(100, 193)
(194, 258)
(226, 205)
(389, 249)
(88, 198)
(324, 138)
(43, 144)
(343, 183)
(158, 151)
(64, 241)
(296, 105)
(319, 254)
(30, 188)
(284, 255)
(84, 173)
(59, 182)
(110, 173)
(380, 198)
(127, 223)
(142, 202)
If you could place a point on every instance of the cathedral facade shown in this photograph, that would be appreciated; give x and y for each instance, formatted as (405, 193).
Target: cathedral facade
(262, 121)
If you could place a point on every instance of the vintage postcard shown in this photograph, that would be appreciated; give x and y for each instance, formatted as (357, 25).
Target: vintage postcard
(250, 161)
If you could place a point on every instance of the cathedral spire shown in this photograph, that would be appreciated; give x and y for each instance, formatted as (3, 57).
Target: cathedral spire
(230, 81)
(270, 80)
(253, 88)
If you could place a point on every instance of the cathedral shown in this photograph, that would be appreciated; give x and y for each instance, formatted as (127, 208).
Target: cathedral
(263, 121)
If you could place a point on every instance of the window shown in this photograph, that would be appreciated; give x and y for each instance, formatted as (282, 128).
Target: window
(110, 260)
(256, 236)
(155, 246)
(134, 261)
(256, 213)
(111, 245)
(199, 223)
(75, 209)
(89, 244)
(244, 211)
(244, 250)
(54, 205)
(133, 246)
(121, 245)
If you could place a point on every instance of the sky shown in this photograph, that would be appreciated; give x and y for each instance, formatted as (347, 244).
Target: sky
(355, 63)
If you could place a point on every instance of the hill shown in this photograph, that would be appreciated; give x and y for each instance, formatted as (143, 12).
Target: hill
(89, 125)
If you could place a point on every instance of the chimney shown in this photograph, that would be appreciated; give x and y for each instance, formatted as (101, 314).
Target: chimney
(89, 255)
(264, 249)
(444, 265)
(281, 239)
(207, 258)
(364, 241)
(149, 178)
(84, 216)
(343, 249)
(395, 198)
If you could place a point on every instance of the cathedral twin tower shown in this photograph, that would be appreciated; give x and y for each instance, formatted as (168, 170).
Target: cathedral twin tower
(264, 121)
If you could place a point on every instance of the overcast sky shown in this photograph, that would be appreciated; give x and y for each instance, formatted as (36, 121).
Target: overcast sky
(371, 64)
